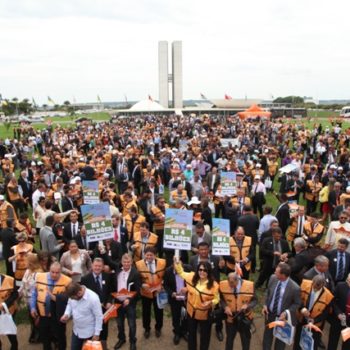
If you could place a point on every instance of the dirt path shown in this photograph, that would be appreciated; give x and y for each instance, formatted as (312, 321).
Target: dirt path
(153, 343)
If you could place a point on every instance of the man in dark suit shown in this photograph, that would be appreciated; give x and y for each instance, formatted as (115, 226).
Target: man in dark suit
(282, 294)
(120, 232)
(213, 156)
(321, 268)
(8, 239)
(340, 208)
(213, 179)
(111, 252)
(83, 243)
(273, 251)
(100, 282)
(72, 228)
(136, 175)
(250, 223)
(67, 201)
(217, 264)
(300, 261)
(340, 320)
(282, 214)
(127, 278)
(339, 261)
(175, 287)
(26, 186)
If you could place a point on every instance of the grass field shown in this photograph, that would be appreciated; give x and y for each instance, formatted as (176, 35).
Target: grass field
(56, 121)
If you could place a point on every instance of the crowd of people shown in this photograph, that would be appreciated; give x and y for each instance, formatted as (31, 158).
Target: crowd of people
(299, 252)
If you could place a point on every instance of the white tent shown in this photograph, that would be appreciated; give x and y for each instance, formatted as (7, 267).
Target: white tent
(146, 106)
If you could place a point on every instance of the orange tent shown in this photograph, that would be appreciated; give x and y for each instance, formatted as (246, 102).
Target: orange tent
(253, 112)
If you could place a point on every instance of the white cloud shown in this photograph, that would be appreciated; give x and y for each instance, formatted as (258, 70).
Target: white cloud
(83, 48)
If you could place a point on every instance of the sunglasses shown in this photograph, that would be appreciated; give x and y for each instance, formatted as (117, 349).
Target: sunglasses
(203, 270)
(343, 217)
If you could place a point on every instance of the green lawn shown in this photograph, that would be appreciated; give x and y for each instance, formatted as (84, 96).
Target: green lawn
(57, 121)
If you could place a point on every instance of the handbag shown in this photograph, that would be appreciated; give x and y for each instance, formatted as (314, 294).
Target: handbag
(92, 345)
(162, 299)
(7, 325)
(268, 183)
(306, 339)
(285, 334)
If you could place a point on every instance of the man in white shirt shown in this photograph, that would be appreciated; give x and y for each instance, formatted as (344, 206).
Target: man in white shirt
(336, 230)
(39, 192)
(85, 309)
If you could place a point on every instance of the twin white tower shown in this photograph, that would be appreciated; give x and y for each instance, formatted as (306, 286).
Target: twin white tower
(175, 78)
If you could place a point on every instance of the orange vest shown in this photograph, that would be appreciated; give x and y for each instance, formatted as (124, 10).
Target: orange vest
(175, 195)
(42, 287)
(21, 260)
(140, 246)
(240, 254)
(320, 304)
(133, 227)
(272, 167)
(196, 298)
(7, 287)
(127, 205)
(313, 233)
(152, 279)
(4, 215)
(244, 296)
(13, 193)
(310, 187)
(235, 201)
(157, 212)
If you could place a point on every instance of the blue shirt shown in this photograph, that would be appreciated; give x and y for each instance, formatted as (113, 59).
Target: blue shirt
(283, 288)
(33, 301)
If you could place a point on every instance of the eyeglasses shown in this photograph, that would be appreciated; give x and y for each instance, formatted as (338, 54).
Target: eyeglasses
(203, 270)
(342, 217)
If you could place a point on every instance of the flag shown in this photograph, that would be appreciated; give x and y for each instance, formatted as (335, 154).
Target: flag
(203, 97)
(150, 98)
(99, 99)
(228, 97)
(51, 100)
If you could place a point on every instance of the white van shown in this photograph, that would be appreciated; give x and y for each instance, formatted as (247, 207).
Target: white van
(345, 112)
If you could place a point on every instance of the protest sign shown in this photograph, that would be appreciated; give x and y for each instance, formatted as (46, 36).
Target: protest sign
(90, 192)
(178, 229)
(221, 237)
(97, 221)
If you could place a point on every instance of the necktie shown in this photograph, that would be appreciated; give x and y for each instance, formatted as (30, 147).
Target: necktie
(340, 272)
(235, 292)
(277, 298)
(300, 232)
(116, 236)
(98, 285)
(73, 231)
(311, 301)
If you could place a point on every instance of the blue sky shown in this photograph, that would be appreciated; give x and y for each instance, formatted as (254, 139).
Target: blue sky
(85, 48)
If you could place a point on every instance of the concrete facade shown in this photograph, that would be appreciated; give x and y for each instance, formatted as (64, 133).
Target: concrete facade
(163, 68)
(177, 74)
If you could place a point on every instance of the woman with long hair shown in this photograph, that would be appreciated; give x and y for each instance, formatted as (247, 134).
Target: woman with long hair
(75, 262)
(203, 295)
(25, 291)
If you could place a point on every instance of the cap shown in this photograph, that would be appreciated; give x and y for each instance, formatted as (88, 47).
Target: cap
(2, 198)
(257, 177)
(106, 175)
(258, 165)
